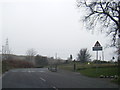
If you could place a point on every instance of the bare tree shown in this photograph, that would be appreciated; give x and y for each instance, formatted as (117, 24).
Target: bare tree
(105, 12)
(30, 54)
(83, 55)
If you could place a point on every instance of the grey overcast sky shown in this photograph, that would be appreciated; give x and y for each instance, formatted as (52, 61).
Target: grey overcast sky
(48, 26)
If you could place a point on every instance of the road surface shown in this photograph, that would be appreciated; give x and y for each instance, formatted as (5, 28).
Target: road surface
(43, 78)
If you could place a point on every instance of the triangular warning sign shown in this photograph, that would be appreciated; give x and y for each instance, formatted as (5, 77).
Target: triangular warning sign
(97, 44)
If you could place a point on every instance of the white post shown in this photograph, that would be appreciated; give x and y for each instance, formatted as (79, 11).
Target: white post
(102, 55)
(96, 55)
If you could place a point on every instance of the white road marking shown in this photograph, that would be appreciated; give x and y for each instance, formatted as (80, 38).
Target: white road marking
(28, 71)
(31, 71)
(43, 79)
(55, 88)
(41, 71)
(14, 71)
(23, 71)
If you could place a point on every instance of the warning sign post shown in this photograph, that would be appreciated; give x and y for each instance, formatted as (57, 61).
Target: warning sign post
(97, 47)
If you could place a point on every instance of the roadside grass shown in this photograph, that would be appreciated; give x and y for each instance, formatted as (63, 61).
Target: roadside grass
(68, 67)
(6, 66)
(94, 70)
(82, 66)
(105, 71)
(117, 81)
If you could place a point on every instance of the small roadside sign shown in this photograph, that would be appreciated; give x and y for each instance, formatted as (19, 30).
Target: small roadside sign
(97, 47)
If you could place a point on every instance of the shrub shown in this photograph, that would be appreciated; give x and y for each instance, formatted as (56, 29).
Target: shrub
(11, 64)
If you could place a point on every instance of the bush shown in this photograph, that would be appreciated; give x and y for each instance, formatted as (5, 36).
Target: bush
(11, 64)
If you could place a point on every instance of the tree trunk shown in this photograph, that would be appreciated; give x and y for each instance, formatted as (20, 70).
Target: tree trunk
(119, 37)
(119, 46)
(119, 51)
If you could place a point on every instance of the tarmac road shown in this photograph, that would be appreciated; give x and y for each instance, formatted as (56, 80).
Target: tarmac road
(43, 78)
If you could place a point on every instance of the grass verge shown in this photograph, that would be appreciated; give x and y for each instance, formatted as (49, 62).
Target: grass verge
(94, 70)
